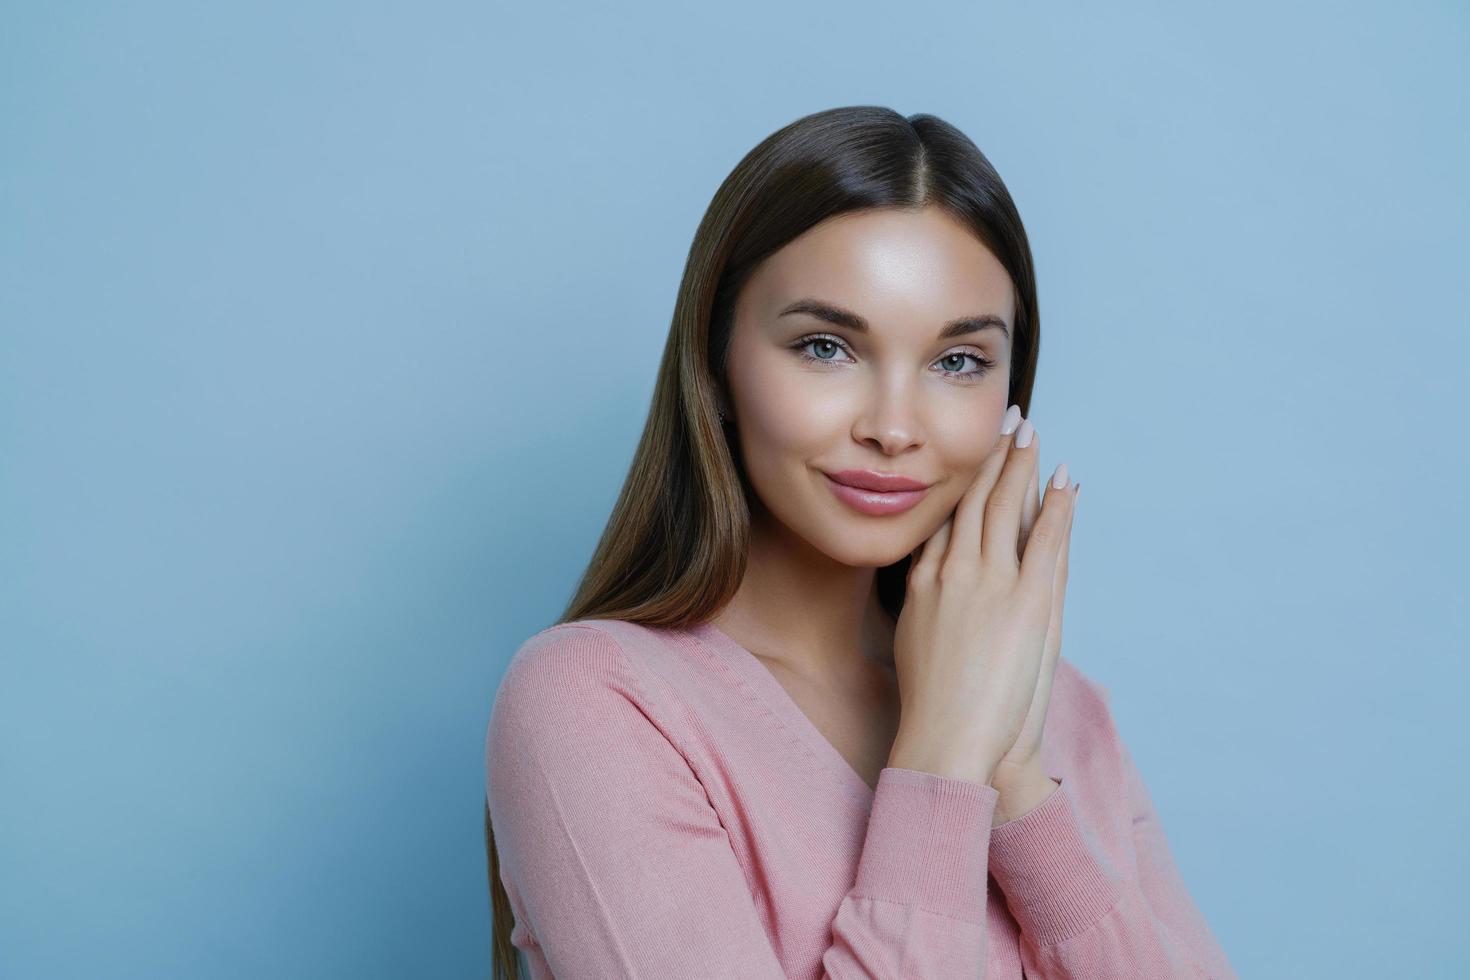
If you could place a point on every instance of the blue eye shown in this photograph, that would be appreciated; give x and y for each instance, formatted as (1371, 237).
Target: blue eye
(829, 341)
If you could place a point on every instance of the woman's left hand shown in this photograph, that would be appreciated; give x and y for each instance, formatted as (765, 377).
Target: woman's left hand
(1024, 756)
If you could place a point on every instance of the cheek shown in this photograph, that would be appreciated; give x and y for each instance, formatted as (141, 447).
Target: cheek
(966, 439)
(787, 413)
(965, 444)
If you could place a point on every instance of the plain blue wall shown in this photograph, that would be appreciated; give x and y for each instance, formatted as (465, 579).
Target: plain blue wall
(328, 330)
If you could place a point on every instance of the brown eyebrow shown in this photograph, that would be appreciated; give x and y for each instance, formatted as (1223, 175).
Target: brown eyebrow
(850, 320)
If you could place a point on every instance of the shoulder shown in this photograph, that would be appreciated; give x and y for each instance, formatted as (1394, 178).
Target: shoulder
(564, 657)
(1087, 699)
(1078, 677)
(582, 650)
(581, 643)
(569, 672)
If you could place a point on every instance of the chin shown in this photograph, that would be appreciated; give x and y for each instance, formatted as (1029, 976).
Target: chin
(866, 548)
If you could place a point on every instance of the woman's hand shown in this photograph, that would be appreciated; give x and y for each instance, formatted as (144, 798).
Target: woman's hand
(1023, 759)
(971, 637)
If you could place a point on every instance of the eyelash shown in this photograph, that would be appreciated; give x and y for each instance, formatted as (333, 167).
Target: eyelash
(966, 377)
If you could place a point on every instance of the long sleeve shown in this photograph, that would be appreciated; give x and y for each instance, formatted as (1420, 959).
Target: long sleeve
(1083, 918)
(618, 865)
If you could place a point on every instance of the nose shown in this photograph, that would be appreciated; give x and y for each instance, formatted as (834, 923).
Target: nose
(890, 418)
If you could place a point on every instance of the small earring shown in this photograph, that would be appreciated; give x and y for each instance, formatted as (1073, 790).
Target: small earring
(722, 417)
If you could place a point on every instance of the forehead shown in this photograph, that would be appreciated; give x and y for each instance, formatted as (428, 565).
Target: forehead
(889, 265)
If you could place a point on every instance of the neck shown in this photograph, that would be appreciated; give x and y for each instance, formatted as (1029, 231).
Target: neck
(816, 616)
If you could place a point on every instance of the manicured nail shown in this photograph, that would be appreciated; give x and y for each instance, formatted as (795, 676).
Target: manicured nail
(1059, 478)
(1023, 434)
(1010, 420)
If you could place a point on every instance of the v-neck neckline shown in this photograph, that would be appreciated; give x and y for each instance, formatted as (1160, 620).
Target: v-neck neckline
(786, 710)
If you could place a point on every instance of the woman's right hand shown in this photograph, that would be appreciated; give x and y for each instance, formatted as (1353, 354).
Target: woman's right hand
(968, 642)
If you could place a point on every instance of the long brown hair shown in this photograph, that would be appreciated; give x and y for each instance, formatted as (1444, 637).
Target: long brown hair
(674, 550)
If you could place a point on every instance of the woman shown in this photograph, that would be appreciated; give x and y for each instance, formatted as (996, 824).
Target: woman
(806, 715)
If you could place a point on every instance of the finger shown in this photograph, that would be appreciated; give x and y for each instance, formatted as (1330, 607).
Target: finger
(932, 550)
(1030, 506)
(964, 539)
(1059, 580)
(1002, 515)
(1039, 564)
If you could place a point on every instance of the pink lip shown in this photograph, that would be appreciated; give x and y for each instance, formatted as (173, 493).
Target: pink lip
(868, 480)
(876, 503)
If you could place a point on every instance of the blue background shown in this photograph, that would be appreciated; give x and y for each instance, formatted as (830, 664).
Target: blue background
(326, 332)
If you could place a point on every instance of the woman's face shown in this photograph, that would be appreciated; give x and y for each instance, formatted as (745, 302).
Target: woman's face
(810, 396)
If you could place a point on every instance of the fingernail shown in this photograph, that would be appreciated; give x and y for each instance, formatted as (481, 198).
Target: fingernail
(1059, 478)
(1023, 434)
(1010, 420)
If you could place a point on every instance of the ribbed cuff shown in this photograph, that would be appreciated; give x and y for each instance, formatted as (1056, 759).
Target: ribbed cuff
(927, 843)
(1055, 883)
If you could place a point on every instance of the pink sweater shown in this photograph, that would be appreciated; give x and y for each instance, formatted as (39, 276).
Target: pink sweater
(663, 809)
